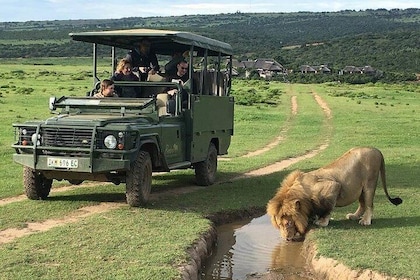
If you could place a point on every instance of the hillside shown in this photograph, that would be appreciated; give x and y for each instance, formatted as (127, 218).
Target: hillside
(388, 40)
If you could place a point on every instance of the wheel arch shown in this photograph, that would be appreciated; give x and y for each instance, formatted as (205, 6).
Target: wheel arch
(151, 145)
(215, 141)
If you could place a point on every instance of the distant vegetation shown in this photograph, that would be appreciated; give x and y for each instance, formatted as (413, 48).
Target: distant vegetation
(387, 40)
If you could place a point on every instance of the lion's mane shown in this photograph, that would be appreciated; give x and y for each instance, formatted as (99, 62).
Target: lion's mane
(291, 201)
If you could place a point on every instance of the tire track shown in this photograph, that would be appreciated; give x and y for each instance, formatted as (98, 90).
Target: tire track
(279, 138)
(10, 234)
(283, 164)
(22, 197)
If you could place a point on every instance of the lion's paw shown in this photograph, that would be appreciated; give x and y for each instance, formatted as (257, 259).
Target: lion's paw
(322, 222)
(351, 216)
(365, 222)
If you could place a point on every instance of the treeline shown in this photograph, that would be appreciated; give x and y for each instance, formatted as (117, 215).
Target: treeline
(395, 51)
(387, 40)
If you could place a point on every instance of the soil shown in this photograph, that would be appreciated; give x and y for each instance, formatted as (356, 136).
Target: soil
(330, 269)
(322, 268)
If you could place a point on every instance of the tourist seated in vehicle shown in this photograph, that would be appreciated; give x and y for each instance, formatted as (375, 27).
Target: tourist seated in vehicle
(181, 77)
(124, 73)
(171, 66)
(143, 59)
(107, 89)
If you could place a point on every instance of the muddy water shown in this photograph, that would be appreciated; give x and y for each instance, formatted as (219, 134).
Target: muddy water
(254, 250)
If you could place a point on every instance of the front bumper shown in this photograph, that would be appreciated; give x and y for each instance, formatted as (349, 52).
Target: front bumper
(84, 164)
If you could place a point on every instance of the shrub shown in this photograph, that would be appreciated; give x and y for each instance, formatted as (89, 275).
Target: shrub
(24, 90)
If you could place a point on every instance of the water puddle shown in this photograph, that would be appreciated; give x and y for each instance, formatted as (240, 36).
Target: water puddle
(254, 250)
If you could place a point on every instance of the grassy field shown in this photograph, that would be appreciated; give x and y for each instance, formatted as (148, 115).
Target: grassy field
(151, 242)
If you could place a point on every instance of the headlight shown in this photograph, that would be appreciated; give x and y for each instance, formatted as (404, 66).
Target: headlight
(27, 136)
(110, 142)
(36, 139)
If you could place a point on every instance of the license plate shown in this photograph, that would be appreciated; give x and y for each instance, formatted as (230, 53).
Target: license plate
(62, 162)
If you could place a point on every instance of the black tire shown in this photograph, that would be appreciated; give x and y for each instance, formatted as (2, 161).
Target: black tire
(139, 180)
(36, 185)
(75, 181)
(205, 171)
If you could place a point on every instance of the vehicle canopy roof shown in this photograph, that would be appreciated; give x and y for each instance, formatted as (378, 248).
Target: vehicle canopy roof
(163, 41)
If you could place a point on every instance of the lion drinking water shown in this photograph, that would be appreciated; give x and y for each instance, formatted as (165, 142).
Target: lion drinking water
(313, 195)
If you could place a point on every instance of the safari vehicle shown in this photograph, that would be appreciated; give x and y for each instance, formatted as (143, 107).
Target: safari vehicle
(124, 140)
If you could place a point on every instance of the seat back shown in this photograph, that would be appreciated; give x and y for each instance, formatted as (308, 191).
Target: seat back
(147, 91)
(161, 100)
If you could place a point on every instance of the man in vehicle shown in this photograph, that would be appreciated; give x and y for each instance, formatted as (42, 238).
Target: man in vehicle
(144, 59)
(177, 57)
(179, 77)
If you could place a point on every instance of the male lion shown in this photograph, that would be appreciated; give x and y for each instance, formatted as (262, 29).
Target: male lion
(313, 195)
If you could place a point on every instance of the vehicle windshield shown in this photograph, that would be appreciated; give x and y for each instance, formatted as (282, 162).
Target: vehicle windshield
(99, 105)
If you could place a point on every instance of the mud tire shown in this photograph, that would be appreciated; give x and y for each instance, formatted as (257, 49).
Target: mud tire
(37, 187)
(139, 180)
(75, 182)
(205, 171)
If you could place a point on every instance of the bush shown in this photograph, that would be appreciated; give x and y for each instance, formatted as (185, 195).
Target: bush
(255, 92)
(24, 90)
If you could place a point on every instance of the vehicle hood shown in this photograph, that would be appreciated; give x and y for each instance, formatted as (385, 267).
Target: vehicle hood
(97, 120)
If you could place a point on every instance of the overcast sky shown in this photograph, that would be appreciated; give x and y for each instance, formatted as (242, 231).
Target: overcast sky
(106, 9)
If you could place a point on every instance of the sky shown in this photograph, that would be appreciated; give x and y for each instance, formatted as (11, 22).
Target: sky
(38, 10)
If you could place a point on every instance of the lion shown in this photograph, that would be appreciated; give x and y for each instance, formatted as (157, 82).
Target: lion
(313, 195)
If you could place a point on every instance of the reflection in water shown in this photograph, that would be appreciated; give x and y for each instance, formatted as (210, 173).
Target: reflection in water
(254, 248)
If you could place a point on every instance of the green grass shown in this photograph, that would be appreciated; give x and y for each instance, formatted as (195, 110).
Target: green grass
(122, 244)
(151, 242)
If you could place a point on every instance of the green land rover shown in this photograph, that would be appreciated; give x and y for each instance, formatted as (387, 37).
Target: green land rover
(124, 140)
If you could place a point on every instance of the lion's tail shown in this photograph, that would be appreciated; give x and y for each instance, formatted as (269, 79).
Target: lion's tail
(396, 200)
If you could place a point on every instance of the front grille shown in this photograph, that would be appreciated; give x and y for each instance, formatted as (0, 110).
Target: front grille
(66, 137)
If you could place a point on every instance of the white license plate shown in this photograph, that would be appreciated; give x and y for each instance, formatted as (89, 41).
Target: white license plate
(62, 162)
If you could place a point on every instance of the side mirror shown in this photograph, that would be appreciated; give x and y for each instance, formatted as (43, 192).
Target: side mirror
(51, 104)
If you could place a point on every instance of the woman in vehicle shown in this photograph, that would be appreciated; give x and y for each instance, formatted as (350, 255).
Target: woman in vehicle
(124, 73)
